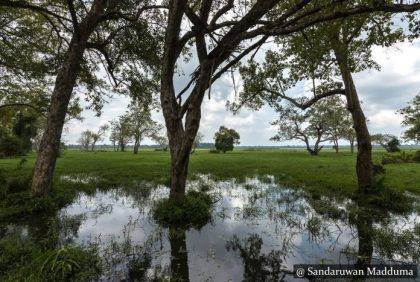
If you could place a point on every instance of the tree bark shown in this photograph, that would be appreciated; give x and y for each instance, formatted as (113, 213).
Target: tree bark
(136, 146)
(352, 146)
(364, 165)
(336, 145)
(64, 84)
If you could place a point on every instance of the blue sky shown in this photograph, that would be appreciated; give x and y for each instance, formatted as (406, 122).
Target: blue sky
(382, 93)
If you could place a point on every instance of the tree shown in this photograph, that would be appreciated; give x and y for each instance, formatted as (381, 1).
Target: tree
(114, 139)
(411, 120)
(319, 54)
(17, 130)
(388, 141)
(121, 132)
(103, 29)
(223, 33)
(142, 125)
(198, 140)
(302, 125)
(338, 121)
(97, 136)
(86, 139)
(162, 141)
(225, 139)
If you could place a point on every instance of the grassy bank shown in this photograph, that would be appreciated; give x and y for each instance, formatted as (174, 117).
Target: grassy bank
(327, 172)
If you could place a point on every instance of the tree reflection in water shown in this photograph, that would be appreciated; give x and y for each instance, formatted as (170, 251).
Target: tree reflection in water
(257, 266)
(179, 255)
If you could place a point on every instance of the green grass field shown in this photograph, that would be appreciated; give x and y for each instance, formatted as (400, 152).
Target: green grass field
(295, 168)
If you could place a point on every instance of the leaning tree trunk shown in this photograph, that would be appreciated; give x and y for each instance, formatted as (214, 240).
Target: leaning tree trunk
(64, 84)
(364, 165)
(47, 155)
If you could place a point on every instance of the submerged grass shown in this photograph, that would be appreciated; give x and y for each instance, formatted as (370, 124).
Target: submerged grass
(193, 211)
(22, 260)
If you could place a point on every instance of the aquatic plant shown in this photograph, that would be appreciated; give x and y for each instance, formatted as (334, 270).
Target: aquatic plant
(194, 210)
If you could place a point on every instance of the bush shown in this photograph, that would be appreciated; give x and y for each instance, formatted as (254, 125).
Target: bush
(402, 157)
(194, 210)
(18, 184)
(214, 151)
(393, 145)
(11, 146)
(416, 157)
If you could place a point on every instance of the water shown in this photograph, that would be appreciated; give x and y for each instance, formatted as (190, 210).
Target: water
(259, 229)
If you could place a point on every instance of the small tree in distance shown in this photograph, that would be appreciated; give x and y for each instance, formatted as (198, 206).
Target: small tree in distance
(388, 141)
(162, 141)
(86, 139)
(98, 135)
(225, 139)
(198, 140)
(412, 120)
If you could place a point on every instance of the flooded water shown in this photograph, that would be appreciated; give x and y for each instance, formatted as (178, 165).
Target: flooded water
(258, 231)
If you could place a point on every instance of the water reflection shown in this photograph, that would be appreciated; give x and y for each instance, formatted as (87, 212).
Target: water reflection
(258, 231)
(257, 266)
(179, 255)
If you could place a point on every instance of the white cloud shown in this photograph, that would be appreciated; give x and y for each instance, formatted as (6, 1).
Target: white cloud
(385, 121)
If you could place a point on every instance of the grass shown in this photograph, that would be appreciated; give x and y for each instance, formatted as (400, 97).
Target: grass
(328, 172)
(194, 210)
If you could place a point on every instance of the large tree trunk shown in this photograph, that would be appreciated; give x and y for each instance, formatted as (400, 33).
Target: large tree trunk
(64, 84)
(136, 146)
(180, 155)
(47, 155)
(364, 165)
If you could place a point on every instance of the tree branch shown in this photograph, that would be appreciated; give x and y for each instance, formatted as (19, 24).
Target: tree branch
(309, 102)
(23, 105)
(73, 15)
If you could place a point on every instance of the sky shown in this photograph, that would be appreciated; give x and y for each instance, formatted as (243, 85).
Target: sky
(381, 92)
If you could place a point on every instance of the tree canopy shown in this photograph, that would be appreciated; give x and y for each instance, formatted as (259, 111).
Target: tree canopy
(411, 120)
(225, 139)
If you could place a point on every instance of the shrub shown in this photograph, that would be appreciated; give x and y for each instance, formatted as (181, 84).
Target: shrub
(11, 146)
(393, 145)
(378, 169)
(194, 210)
(416, 157)
(214, 151)
(18, 184)
(401, 157)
